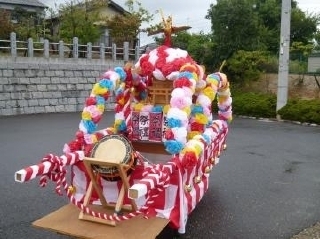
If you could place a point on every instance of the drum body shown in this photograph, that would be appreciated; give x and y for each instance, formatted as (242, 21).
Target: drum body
(114, 149)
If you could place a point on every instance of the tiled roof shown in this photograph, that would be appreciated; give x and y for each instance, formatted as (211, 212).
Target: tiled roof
(34, 3)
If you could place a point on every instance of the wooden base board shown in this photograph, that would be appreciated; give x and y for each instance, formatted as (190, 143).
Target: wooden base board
(65, 221)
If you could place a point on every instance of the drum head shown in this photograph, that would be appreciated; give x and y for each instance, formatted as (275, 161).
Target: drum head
(112, 148)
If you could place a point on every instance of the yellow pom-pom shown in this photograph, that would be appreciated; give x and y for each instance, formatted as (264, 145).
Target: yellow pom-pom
(201, 119)
(198, 149)
(98, 90)
(137, 107)
(100, 108)
(166, 109)
(192, 134)
(86, 115)
(208, 91)
(187, 110)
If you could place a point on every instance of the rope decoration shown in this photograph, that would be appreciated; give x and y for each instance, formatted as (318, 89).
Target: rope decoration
(58, 175)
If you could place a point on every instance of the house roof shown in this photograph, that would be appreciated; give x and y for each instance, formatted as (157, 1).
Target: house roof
(31, 3)
(117, 7)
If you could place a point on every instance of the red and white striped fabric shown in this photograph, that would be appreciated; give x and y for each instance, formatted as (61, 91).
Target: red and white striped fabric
(49, 163)
(171, 201)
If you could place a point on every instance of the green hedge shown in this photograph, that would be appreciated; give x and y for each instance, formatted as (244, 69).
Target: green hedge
(254, 104)
(264, 106)
(301, 110)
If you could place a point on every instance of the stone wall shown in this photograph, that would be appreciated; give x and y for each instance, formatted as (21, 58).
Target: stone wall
(36, 85)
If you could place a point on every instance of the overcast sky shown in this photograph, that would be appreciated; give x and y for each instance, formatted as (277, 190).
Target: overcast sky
(188, 12)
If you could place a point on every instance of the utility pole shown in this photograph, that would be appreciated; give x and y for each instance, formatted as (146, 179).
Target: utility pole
(283, 72)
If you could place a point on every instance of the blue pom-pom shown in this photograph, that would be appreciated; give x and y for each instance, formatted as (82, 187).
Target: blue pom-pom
(197, 109)
(173, 146)
(123, 126)
(90, 126)
(173, 123)
(121, 72)
(106, 83)
(100, 100)
(157, 109)
(186, 74)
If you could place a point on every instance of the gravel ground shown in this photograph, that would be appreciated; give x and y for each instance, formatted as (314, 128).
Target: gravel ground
(312, 232)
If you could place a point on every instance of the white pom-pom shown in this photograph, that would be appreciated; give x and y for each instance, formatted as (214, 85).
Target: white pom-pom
(201, 84)
(203, 100)
(180, 134)
(153, 57)
(158, 75)
(188, 92)
(82, 127)
(171, 55)
(178, 92)
(173, 75)
(177, 114)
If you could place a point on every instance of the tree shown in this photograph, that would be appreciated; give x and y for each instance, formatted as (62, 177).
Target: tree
(255, 25)
(6, 25)
(126, 27)
(28, 23)
(304, 26)
(235, 26)
(317, 40)
(79, 18)
(199, 46)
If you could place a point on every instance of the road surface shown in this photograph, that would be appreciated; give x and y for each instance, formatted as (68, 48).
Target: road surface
(266, 186)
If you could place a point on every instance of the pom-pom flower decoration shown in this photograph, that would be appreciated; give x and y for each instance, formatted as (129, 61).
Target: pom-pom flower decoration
(189, 118)
(202, 128)
(180, 108)
(185, 120)
(95, 104)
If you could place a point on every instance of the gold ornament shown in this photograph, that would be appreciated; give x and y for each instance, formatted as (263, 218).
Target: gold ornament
(208, 169)
(187, 188)
(224, 146)
(212, 160)
(197, 179)
(72, 189)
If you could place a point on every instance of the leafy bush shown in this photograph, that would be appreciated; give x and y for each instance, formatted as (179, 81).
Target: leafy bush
(246, 65)
(301, 110)
(254, 104)
(298, 67)
(264, 106)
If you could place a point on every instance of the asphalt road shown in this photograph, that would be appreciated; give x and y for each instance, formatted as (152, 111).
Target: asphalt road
(266, 186)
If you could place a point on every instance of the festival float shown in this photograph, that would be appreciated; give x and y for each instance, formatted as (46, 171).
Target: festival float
(152, 166)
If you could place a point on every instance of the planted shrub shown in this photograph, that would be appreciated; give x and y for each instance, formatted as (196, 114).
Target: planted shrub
(254, 104)
(301, 110)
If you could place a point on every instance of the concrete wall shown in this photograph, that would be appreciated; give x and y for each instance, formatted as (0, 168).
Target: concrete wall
(299, 86)
(314, 64)
(37, 85)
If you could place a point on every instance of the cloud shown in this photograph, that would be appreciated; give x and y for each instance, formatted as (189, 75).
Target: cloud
(187, 12)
